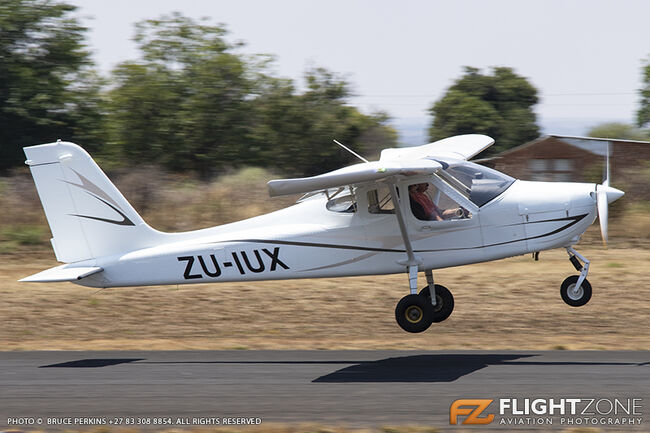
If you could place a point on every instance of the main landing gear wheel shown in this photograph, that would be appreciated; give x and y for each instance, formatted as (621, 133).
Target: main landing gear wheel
(444, 302)
(576, 297)
(414, 313)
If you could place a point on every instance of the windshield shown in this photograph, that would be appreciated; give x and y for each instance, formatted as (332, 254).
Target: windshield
(479, 184)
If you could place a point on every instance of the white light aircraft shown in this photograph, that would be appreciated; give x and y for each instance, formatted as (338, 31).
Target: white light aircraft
(415, 210)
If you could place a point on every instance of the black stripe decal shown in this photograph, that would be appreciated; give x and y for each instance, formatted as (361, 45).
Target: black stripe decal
(316, 245)
(125, 220)
(547, 221)
(574, 220)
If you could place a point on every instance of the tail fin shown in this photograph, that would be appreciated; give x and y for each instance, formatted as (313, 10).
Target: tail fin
(88, 216)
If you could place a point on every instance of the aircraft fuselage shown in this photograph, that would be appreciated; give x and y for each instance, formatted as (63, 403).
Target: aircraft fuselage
(309, 241)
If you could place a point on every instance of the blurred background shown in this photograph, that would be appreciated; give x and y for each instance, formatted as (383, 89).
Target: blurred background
(180, 112)
(190, 122)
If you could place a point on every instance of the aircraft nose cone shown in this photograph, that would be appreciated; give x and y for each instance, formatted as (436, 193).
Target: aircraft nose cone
(613, 194)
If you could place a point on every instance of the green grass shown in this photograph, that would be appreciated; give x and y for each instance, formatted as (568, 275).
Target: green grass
(7, 247)
(246, 175)
(22, 235)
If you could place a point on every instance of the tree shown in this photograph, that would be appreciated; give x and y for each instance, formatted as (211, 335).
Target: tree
(295, 132)
(499, 105)
(191, 102)
(47, 90)
(643, 115)
(184, 103)
(618, 130)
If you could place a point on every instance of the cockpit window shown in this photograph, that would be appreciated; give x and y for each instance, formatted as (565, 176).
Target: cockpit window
(341, 200)
(479, 184)
(428, 203)
(379, 201)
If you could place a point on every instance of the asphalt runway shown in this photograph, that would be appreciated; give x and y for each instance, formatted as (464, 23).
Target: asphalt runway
(356, 388)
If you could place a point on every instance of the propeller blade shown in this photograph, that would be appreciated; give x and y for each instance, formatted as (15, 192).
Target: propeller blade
(602, 204)
(605, 194)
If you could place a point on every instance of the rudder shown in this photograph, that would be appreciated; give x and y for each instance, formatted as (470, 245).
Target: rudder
(88, 216)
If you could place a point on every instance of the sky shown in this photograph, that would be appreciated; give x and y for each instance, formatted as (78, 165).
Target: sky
(584, 56)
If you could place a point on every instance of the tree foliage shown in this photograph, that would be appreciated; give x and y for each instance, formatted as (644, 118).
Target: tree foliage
(643, 115)
(46, 88)
(294, 132)
(499, 105)
(192, 102)
(618, 130)
(183, 103)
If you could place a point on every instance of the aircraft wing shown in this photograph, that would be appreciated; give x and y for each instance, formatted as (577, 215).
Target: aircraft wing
(457, 147)
(352, 175)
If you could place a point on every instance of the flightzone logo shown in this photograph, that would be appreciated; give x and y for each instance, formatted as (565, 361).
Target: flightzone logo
(471, 409)
(547, 411)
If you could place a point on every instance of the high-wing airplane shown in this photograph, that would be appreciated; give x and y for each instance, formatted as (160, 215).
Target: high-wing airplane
(415, 210)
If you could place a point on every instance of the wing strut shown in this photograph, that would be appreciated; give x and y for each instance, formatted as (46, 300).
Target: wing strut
(412, 262)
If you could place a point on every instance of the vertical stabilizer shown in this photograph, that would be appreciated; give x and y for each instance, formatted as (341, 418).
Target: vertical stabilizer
(88, 216)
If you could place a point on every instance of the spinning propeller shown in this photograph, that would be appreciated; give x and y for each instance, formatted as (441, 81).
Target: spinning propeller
(605, 194)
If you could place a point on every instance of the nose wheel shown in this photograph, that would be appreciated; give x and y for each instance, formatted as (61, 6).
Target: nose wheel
(576, 289)
(575, 295)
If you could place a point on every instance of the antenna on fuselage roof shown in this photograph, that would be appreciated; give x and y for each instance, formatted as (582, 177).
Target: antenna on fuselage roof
(351, 151)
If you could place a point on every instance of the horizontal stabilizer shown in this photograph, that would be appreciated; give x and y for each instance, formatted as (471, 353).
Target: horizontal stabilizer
(353, 175)
(62, 273)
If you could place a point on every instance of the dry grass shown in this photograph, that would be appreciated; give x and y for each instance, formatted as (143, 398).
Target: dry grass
(171, 202)
(167, 202)
(509, 304)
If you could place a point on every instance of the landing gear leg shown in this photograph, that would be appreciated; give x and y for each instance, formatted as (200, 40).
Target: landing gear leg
(413, 279)
(414, 313)
(432, 295)
(576, 289)
(440, 298)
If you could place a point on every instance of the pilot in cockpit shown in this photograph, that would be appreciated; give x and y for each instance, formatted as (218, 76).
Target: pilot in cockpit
(424, 208)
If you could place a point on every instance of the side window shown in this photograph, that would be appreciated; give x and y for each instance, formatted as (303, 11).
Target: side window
(380, 202)
(430, 204)
(342, 200)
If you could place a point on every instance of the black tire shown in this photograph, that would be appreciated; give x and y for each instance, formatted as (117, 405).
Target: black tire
(444, 302)
(575, 298)
(413, 313)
